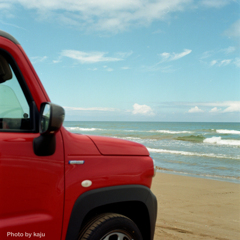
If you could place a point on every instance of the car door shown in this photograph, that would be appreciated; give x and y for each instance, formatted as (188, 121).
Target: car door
(31, 186)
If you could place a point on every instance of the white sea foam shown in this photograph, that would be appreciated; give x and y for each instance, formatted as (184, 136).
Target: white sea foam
(83, 129)
(170, 132)
(211, 155)
(159, 131)
(220, 141)
(131, 131)
(225, 131)
(132, 138)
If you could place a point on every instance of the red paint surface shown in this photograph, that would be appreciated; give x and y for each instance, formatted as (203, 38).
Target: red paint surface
(113, 146)
(32, 187)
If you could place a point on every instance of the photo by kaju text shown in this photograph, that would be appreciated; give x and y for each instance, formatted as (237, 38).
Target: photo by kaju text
(26, 235)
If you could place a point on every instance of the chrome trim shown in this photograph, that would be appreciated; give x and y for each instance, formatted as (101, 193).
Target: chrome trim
(155, 167)
(76, 162)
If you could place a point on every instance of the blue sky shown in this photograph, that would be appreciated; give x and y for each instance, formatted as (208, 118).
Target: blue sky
(133, 60)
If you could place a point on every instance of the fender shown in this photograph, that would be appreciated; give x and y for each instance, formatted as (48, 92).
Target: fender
(104, 196)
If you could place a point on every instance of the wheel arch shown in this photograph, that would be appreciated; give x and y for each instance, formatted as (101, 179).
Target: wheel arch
(134, 201)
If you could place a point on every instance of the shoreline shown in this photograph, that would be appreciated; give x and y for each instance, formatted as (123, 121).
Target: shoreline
(208, 177)
(196, 208)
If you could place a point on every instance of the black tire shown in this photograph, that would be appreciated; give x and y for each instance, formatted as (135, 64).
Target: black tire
(110, 226)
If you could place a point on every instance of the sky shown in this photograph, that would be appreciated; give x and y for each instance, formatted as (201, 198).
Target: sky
(133, 60)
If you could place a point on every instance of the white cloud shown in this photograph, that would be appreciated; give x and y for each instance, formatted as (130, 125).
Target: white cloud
(180, 55)
(237, 62)
(213, 62)
(88, 57)
(5, 5)
(106, 15)
(157, 67)
(234, 30)
(102, 15)
(174, 56)
(218, 55)
(125, 68)
(229, 50)
(124, 54)
(142, 110)
(207, 54)
(9, 24)
(233, 107)
(38, 59)
(230, 106)
(57, 61)
(165, 55)
(195, 110)
(225, 62)
(91, 109)
(214, 110)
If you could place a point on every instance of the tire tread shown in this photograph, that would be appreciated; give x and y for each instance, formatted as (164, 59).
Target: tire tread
(96, 222)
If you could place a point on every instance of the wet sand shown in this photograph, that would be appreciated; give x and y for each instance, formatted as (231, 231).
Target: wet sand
(196, 208)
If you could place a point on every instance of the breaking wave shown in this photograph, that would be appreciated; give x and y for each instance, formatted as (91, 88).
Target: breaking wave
(211, 155)
(159, 131)
(225, 131)
(83, 129)
(220, 141)
(169, 132)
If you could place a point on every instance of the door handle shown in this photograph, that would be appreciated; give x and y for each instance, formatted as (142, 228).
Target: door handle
(80, 162)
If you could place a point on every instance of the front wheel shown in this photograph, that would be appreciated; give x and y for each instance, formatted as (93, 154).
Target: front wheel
(111, 226)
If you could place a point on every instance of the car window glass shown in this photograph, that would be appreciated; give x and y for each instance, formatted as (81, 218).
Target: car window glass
(14, 108)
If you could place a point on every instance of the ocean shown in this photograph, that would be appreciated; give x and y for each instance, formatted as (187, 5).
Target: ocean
(207, 150)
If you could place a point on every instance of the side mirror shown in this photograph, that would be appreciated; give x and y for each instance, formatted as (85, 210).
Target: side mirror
(51, 118)
(50, 122)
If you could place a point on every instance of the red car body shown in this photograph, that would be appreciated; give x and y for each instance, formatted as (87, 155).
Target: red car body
(54, 196)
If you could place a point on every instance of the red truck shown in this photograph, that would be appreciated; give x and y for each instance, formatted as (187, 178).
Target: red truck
(58, 185)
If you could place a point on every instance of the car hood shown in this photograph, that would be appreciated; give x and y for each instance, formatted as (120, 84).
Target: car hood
(115, 146)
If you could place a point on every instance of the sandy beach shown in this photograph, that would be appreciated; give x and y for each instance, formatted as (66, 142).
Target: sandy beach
(196, 208)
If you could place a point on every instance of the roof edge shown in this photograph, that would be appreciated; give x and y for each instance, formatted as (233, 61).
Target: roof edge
(8, 36)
